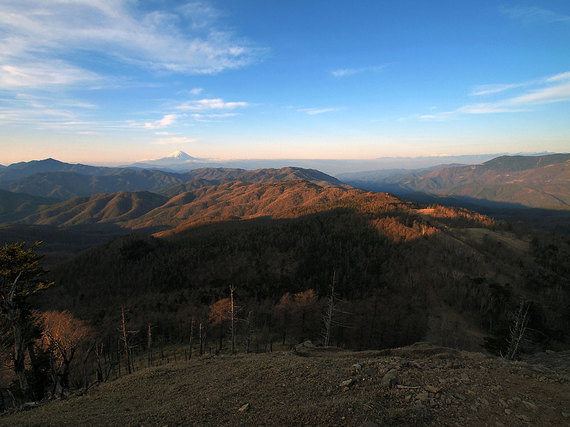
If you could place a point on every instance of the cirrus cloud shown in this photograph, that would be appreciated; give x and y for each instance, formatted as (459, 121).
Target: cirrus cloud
(546, 90)
(211, 104)
(38, 40)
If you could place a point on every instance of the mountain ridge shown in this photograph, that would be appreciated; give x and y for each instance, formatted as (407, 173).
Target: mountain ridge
(539, 182)
(67, 182)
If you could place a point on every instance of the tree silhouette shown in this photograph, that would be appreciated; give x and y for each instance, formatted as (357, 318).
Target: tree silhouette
(20, 277)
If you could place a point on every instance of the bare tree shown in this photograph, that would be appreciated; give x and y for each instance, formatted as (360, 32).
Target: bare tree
(125, 339)
(331, 317)
(62, 336)
(219, 314)
(201, 336)
(517, 330)
(233, 318)
(149, 345)
(192, 323)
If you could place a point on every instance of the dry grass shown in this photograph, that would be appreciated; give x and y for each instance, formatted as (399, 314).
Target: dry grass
(509, 240)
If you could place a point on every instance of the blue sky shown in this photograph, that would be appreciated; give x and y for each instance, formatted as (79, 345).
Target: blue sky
(119, 81)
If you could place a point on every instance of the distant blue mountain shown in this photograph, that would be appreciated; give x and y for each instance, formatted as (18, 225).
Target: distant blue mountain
(26, 169)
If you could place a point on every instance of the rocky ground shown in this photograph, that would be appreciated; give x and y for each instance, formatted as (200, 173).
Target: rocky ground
(416, 385)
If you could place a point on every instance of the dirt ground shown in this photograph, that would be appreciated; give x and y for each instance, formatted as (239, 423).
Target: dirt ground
(415, 385)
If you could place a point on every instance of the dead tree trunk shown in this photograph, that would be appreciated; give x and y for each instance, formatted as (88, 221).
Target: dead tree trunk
(329, 314)
(124, 337)
(149, 346)
(201, 338)
(191, 337)
(517, 330)
(232, 315)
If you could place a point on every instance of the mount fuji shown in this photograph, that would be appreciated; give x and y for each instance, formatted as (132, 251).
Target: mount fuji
(179, 160)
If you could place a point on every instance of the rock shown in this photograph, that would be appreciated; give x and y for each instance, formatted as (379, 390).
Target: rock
(431, 389)
(523, 417)
(370, 371)
(244, 408)
(304, 348)
(30, 405)
(348, 383)
(566, 414)
(530, 405)
(422, 397)
(357, 367)
(390, 379)
(508, 411)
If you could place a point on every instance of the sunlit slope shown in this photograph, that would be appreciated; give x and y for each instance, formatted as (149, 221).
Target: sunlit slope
(542, 182)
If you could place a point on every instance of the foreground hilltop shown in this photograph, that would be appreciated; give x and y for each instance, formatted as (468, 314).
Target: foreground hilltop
(415, 385)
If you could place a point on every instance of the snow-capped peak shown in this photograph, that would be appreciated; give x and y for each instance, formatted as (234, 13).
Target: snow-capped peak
(179, 155)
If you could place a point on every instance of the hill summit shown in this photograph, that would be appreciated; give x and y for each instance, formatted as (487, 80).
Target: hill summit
(420, 384)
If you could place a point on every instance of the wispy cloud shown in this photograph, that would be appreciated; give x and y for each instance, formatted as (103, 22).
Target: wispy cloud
(558, 77)
(315, 111)
(167, 120)
(196, 91)
(38, 39)
(174, 140)
(530, 14)
(211, 104)
(346, 72)
(546, 90)
(200, 117)
(18, 75)
(492, 89)
(37, 110)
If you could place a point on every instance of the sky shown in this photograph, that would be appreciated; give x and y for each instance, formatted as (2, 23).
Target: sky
(119, 81)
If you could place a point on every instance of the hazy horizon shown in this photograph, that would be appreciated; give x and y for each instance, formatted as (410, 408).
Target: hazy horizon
(335, 167)
(118, 82)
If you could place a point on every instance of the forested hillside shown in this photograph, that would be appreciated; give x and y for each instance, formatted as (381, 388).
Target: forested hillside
(402, 273)
(292, 259)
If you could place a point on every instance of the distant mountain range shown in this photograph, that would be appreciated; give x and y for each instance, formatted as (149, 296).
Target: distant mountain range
(210, 193)
(539, 182)
(182, 162)
(53, 193)
(58, 180)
